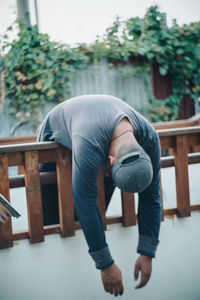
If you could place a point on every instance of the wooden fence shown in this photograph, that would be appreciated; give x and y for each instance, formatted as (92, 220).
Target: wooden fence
(29, 155)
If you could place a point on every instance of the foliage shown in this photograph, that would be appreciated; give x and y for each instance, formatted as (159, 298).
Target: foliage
(176, 49)
(38, 70)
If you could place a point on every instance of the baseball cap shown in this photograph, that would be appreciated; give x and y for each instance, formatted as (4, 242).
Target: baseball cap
(133, 171)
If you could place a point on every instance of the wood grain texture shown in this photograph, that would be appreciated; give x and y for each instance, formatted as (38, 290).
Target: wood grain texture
(17, 140)
(33, 197)
(167, 142)
(6, 239)
(28, 147)
(128, 209)
(193, 121)
(47, 155)
(15, 158)
(65, 198)
(182, 180)
(101, 196)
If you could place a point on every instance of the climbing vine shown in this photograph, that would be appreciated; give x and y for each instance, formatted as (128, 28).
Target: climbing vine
(37, 71)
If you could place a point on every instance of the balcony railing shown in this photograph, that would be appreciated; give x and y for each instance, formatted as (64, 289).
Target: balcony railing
(182, 142)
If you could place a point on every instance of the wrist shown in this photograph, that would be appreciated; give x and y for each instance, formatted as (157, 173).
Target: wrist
(146, 257)
(107, 269)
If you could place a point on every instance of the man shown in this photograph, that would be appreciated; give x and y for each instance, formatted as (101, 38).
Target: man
(104, 130)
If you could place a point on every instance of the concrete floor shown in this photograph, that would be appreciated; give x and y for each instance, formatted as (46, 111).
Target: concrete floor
(61, 269)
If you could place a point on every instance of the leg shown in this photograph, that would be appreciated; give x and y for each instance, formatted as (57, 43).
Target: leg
(49, 197)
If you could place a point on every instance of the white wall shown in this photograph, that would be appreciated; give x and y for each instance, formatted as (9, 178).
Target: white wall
(62, 269)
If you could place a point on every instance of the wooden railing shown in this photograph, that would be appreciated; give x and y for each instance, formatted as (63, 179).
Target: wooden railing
(29, 156)
(193, 121)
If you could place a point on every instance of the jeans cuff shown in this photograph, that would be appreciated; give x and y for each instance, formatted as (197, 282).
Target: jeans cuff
(102, 258)
(147, 245)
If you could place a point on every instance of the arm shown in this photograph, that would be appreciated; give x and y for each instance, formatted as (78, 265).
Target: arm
(86, 161)
(149, 209)
(149, 218)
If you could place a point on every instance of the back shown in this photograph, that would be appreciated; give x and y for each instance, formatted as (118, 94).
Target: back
(94, 118)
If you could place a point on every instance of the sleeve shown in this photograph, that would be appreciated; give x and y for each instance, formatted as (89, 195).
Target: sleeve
(85, 164)
(149, 207)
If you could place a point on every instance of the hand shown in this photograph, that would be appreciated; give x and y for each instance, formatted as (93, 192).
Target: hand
(112, 280)
(4, 213)
(144, 265)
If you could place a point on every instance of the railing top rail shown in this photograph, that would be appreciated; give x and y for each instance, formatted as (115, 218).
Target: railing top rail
(194, 120)
(53, 145)
(178, 131)
(17, 140)
(28, 147)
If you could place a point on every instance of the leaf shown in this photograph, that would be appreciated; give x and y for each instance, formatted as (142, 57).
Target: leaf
(180, 51)
(162, 71)
(51, 92)
(48, 81)
(38, 85)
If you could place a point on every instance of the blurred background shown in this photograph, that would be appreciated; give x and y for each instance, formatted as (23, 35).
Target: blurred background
(147, 53)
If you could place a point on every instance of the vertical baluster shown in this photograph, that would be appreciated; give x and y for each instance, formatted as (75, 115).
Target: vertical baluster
(21, 170)
(101, 195)
(33, 196)
(6, 239)
(182, 181)
(128, 209)
(65, 198)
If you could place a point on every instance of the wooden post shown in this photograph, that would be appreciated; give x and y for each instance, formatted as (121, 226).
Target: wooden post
(101, 196)
(65, 198)
(33, 196)
(182, 181)
(128, 209)
(6, 239)
(21, 170)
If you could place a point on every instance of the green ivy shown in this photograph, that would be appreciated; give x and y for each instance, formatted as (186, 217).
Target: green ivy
(37, 70)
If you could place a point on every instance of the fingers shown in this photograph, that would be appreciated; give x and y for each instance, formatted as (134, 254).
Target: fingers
(136, 272)
(144, 266)
(108, 289)
(112, 280)
(121, 289)
(144, 279)
(115, 289)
